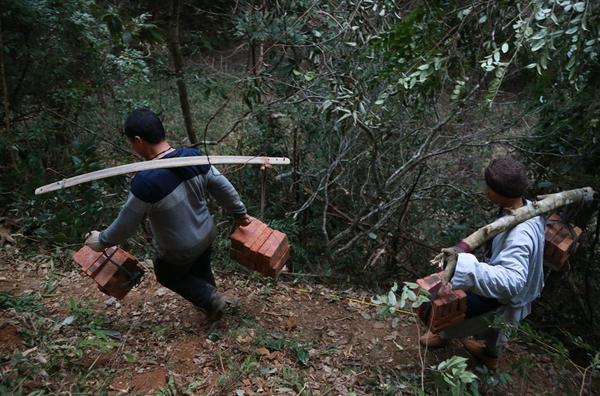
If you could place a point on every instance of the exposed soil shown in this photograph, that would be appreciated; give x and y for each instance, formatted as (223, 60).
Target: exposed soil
(283, 338)
(10, 341)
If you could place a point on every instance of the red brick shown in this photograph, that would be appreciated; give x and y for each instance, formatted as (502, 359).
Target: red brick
(440, 308)
(259, 247)
(437, 326)
(273, 249)
(275, 268)
(242, 258)
(431, 283)
(558, 244)
(108, 269)
(445, 310)
(261, 240)
(244, 236)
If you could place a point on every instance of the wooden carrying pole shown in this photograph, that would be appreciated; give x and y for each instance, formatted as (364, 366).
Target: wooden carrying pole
(161, 164)
(550, 203)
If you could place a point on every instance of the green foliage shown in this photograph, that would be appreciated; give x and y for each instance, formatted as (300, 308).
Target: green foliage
(160, 330)
(67, 65)
(21, 302)
(100, 341)
(301, 352)
(411, 293)
(388, 110)
(56, 349)
(452, 377)
(293, 378)
(169, 389)
(87, 316)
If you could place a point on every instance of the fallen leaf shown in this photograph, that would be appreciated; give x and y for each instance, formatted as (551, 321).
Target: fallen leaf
(398, 346)
(268, 370)
(379, 325)
(262, 351)
(27, 352)
(67, 321)
(291, 323)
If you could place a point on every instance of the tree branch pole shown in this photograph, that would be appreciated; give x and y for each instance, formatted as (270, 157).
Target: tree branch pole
(550, 203)
(161, 164)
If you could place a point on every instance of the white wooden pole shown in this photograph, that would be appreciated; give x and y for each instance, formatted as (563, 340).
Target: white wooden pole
(548, 204)
(161, 164)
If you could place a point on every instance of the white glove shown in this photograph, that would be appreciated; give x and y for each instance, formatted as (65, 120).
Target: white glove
(93, 241)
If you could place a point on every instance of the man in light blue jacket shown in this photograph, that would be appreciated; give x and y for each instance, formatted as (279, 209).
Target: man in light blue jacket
(511, 278)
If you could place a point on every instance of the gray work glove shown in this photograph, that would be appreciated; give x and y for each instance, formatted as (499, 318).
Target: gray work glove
(450, 261)
(92, 239)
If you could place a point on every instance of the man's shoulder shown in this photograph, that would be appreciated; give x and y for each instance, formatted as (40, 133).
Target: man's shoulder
(531, 229)
(153, 185)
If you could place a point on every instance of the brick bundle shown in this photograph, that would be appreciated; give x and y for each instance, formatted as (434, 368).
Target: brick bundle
(114, 270)
(560, 239)
(260, 248)
(444, 311)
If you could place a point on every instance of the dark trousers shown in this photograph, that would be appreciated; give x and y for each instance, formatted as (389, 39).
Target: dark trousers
(478, 305)
(194, 282)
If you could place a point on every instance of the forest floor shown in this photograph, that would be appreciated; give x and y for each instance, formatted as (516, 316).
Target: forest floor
(60, 334)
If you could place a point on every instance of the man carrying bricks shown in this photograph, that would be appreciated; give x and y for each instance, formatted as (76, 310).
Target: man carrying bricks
(174, 200)
(505, 285)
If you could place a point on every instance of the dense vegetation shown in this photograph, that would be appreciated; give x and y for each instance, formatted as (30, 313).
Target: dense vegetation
(388, 110)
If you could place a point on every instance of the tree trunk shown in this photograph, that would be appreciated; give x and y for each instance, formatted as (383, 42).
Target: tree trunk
(5, 102)
(175, 50)
(550, 203)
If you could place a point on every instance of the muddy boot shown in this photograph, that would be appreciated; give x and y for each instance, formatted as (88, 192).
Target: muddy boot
(432, 340)
(216, 307)
(478, 350)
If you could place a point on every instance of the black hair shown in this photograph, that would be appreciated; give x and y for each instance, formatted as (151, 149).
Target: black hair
(507, 177)
(145, 124)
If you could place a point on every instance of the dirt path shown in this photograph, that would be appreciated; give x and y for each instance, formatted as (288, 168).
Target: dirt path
(283, 338)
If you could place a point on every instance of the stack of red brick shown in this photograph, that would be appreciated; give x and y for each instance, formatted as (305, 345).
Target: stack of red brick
(112, 269)
(444, 311)
(260, 248)
(559, 242)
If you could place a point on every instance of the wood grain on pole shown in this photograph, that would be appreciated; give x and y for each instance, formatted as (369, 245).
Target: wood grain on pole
(161, 164)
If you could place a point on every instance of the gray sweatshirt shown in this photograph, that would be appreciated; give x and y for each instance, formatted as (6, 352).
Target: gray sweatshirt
(174, 200)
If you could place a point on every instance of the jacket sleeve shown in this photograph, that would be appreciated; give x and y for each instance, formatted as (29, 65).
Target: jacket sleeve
(224, 192)
(503, 280)
(125, 224)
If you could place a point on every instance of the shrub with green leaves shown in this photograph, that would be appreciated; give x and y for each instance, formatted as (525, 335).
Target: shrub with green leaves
(452, 377)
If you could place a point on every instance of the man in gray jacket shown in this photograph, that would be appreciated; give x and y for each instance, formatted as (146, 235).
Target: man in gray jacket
(174, 200)
(511, 278)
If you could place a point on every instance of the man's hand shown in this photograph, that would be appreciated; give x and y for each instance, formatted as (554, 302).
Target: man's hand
(243, 220)
(92, 239)
(447, 260)
(445, 289)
